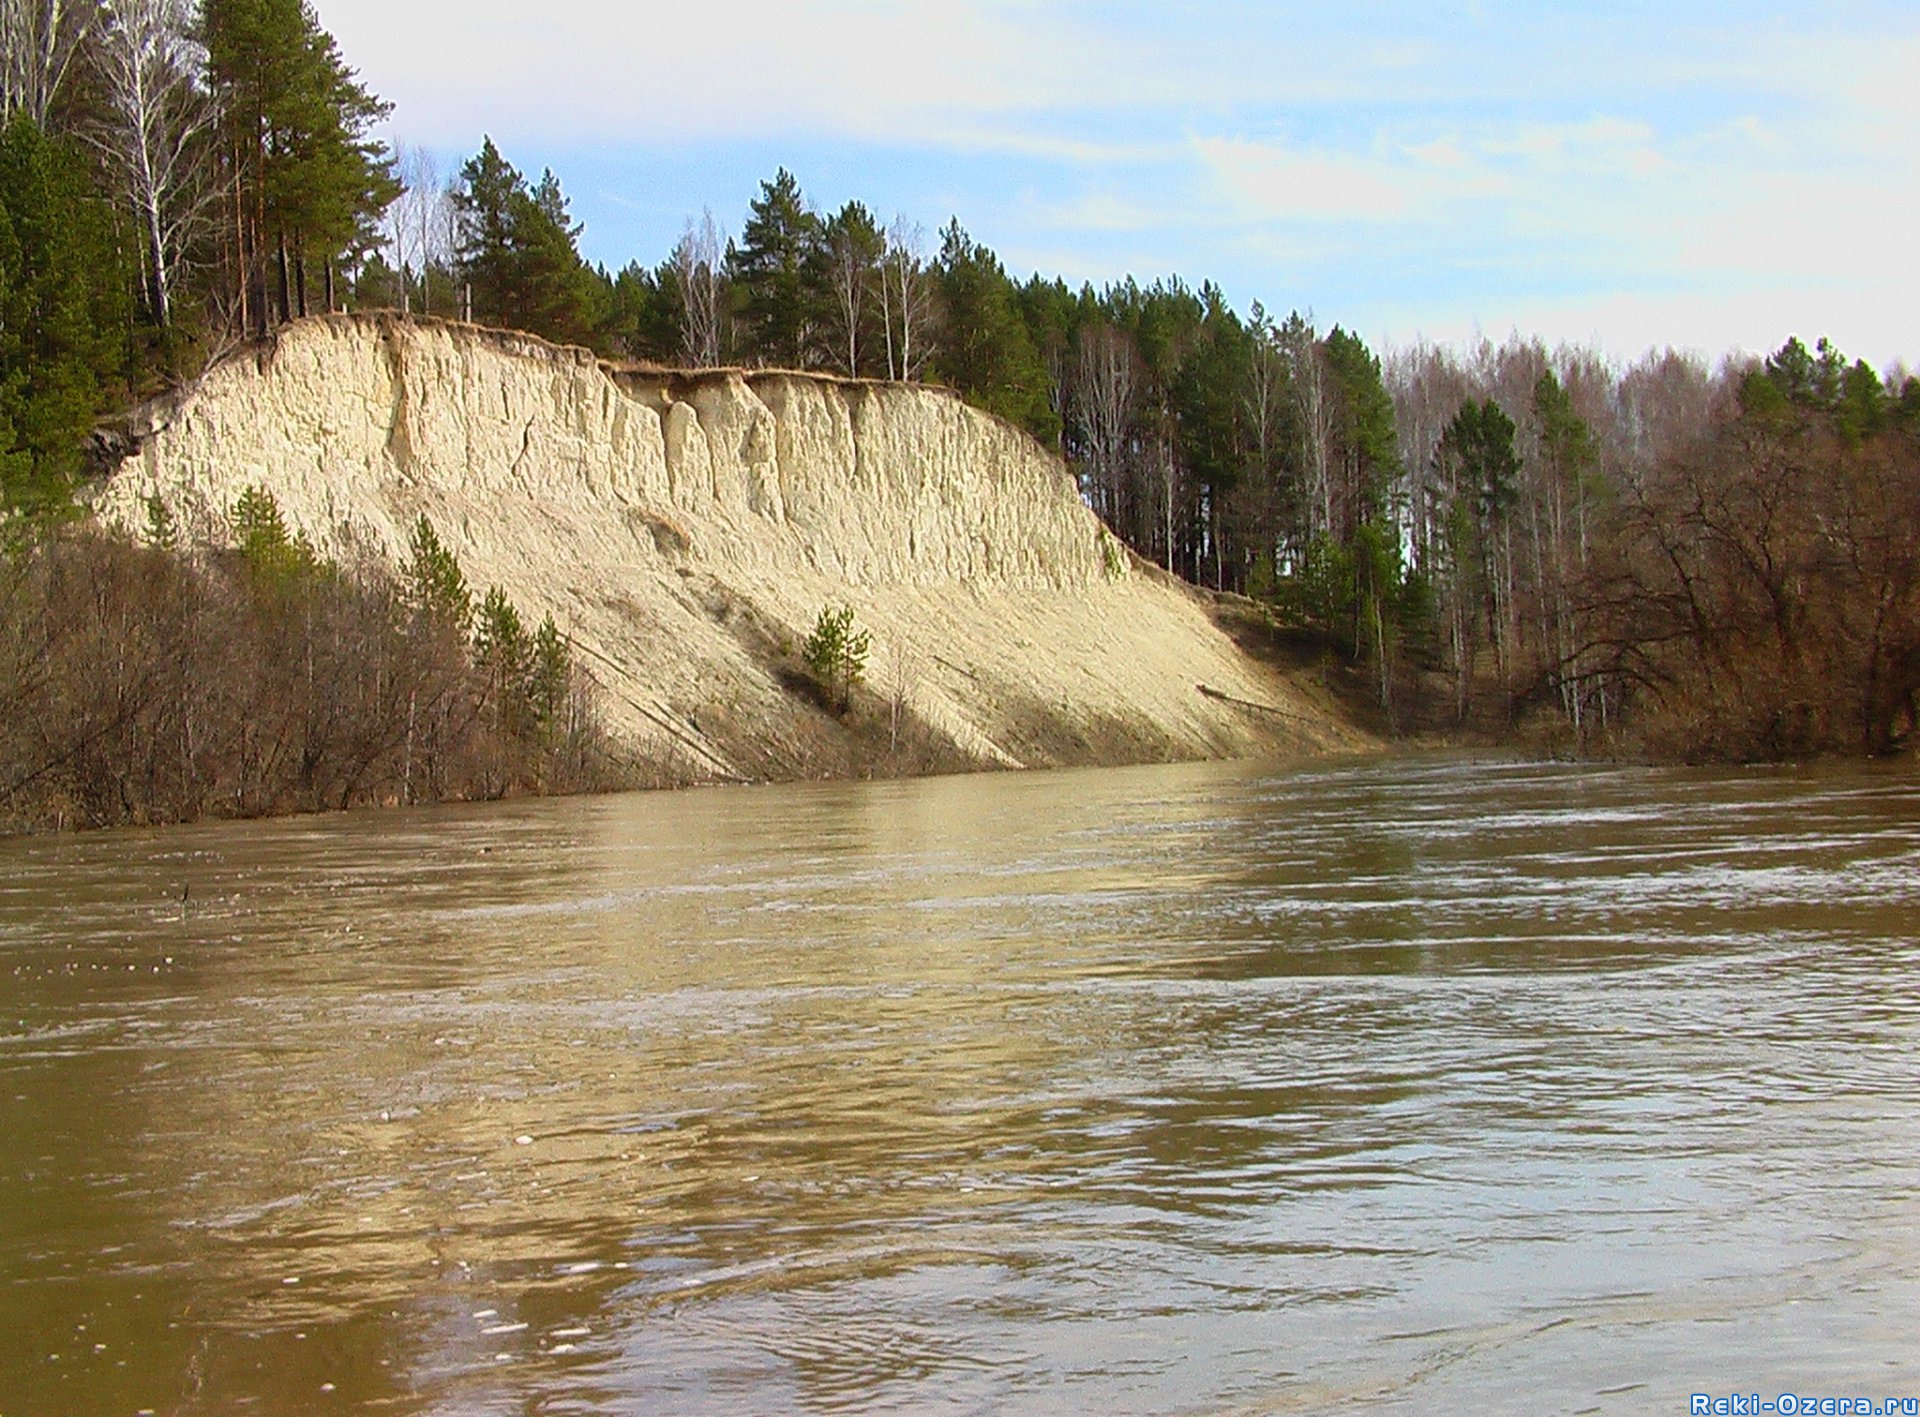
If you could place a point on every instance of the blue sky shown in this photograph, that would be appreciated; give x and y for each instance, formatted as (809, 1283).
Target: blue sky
(1712, 176)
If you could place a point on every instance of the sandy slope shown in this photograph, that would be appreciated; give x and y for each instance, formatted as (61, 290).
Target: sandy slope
(686, 529)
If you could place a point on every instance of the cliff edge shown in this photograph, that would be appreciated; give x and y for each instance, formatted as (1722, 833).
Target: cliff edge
(685, 529)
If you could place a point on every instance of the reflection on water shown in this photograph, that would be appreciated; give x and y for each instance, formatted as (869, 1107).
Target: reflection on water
(1199, 1088)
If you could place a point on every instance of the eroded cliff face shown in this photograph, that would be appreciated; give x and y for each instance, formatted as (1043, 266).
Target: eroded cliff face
(686, 530)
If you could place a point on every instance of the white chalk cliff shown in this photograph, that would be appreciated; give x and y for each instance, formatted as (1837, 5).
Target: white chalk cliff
(686, 529)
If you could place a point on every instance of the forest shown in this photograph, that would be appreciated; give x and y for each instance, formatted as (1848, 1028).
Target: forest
(1663, 557)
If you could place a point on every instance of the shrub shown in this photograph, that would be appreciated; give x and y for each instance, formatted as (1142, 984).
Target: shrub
(836, 654)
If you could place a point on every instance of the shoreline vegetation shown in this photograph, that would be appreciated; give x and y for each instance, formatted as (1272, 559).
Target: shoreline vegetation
(1507, 544)
(141, 683)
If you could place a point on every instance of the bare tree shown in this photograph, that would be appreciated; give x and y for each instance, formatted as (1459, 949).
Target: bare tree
(855, 249)
(1428, 386)
(1264, 400)
(444, 220)
(400, 230)
(908, 304)
(1307, 375)
(39, 40)
(697, 267)
(1104, 389)
(904, 671)
(158, 113)
(414, 226)
(431, 221)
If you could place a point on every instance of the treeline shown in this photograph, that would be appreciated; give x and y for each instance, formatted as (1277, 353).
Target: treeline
(1756, 590)
(138, 684)
(174, 175)
(1708, 563)
(1222, 448)
(177, 176)
(1495, 535)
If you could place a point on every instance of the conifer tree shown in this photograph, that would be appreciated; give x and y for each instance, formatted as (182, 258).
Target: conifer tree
(642, 318)
(550, 677)
(436, 588)
(274, 554)
(1478, 469)
(560, 287)
(1366, 446)
(1209, 413)
(987, 353)
(503, 652)
(306, 182)
(61, 303)
(775, 271)
(516, 251)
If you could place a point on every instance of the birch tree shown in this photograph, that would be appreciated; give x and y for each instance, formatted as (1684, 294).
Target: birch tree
(854, 248)
(1104, 393)
(697, 268)
(416, 229)
(1307, 377)
(39, 40)
(1428, 388)
(158, 117)
(907, 300)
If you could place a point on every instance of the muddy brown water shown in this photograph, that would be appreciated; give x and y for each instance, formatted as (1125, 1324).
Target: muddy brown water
(1428, 1086)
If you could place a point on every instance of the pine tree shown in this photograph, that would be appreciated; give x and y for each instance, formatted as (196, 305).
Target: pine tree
(559, 286)
(776, 271)
(642, 319)
(987, 353)
(62, 299)
(504, 654)
(307, 183)
(274, 555)
(550, 678)
(436, 588)
(484, 246)
(1479, 470)
(516, 251)
(836, 654)
(1366, 443)
(1210, 419)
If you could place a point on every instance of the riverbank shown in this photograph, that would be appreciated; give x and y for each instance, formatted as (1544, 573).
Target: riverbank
(683, 533)
(147, 685)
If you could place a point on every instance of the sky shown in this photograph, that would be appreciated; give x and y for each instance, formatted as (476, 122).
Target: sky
(1706, 175)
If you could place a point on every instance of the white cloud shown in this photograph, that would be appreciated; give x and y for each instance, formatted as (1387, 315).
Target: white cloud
(1754, 320)
(1428, 178)
(1269, 181)
(1747, 164)
(1101, 211)
(918, 71)
(907, 71)
(1601, 144)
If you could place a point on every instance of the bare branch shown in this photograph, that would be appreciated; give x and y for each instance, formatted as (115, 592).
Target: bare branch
(697, 264)
(39, 40)
(158, 116)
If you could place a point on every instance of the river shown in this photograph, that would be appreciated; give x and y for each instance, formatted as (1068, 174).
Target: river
(1429, 1085)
